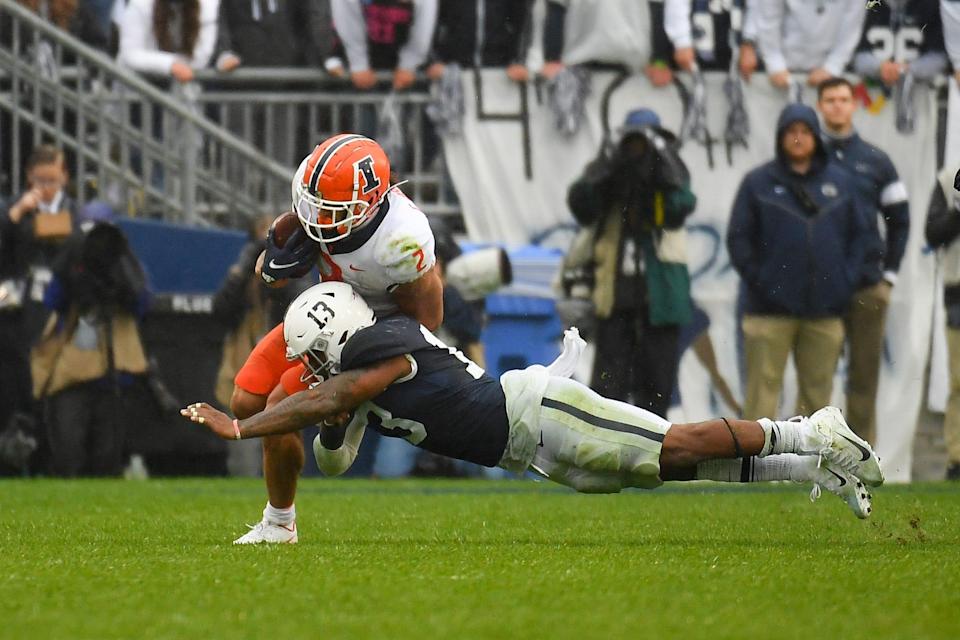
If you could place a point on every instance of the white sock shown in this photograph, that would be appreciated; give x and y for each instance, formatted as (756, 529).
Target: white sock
(785, 466)
(280, 516)
(782, 436)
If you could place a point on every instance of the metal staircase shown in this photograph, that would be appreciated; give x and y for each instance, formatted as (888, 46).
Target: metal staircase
(146, 149)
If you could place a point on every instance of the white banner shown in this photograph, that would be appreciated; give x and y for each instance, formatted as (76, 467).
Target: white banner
(513, 191)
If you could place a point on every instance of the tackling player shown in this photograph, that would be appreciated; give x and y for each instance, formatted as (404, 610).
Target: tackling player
(357, 229)
(396, 377)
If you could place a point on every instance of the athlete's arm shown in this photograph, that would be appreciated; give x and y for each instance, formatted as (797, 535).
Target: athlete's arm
(422, 299)
(332, 398)
(333, 458)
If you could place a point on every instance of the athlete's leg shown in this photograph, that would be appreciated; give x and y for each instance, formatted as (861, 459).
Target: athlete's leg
(282, 463)
(686, 445)
(739, 451)
(283, 455)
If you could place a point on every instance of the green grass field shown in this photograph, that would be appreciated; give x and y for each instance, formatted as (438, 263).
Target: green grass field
(472, 559)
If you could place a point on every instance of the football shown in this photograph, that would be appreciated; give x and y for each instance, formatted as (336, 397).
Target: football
(283, 227)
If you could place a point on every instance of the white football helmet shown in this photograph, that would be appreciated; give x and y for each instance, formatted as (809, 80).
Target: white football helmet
(318, 324)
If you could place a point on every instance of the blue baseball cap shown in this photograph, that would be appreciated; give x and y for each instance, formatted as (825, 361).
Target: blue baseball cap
(640, 119)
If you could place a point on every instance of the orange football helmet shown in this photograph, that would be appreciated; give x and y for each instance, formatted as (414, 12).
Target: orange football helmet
(338, 186)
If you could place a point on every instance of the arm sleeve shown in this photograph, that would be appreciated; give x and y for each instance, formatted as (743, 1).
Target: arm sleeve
(950, 16)
(679, 204)
(207, 40)
(676, 22)
(929, 65)
(224, 36)
(895, 207)
(135, 34)
(661, 49)
(352, 29)
(589, 196)
(443, 48)
(553, 31)
(414, 53)
(748, 28)
(333, 462)
(866, 64)
(769, 22)
(943, 220)
(740, 235)
(319, 29)
(409, 252)
(851, 26)
(523, 14)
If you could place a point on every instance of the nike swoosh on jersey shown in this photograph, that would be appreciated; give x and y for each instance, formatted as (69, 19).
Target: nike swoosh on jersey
(273, 265)
(863, 451)
(353, 268)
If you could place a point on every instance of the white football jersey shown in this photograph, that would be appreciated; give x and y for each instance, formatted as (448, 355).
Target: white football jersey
(394, 248)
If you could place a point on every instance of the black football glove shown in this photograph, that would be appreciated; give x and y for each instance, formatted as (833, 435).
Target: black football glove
(295, 259)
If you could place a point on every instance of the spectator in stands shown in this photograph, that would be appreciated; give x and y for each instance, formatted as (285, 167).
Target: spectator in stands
(950, 19)
(380, 35)
(501, 41)
(611, 32)
(636, 197)
(942, 231)
(248, 32)
(817, 40)
(247, 310)
(797, 238)
(707, 34)
(168, 37)
(76, 18)
(91, 353)
(901, 36)
(47, 57)
(882, 195)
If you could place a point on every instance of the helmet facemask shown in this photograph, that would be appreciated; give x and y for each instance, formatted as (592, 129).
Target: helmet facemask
(329, 220)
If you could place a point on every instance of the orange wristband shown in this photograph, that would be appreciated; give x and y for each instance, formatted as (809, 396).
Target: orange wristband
(236, 430)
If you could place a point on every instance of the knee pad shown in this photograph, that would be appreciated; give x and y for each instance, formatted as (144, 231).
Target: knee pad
(597, 456)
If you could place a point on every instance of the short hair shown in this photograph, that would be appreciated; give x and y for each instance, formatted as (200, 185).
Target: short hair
(45, 154)
(832, 83)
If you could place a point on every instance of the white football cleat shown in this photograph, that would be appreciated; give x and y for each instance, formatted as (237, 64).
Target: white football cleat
(847, 487)
(829, 436)
(269, 533)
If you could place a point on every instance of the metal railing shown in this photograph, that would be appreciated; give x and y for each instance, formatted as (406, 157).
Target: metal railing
(284, 112)
(143, 148)
(214, 151)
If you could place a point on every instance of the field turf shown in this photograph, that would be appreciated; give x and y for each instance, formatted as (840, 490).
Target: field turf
(474, 559)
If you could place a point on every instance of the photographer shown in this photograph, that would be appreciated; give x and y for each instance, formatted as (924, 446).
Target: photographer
(634, 198)
(33, 226)
(91, 352)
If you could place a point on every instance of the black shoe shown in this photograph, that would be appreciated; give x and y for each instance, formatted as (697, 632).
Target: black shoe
(953, 471)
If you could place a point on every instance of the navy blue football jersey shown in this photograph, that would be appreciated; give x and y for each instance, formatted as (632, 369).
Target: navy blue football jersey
(902, 31)
(447, 405)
